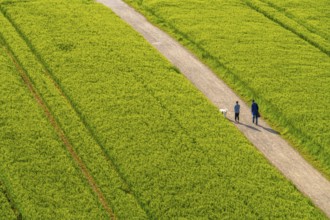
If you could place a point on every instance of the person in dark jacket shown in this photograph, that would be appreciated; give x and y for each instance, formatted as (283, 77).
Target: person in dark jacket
(236, 110)
(255, 112)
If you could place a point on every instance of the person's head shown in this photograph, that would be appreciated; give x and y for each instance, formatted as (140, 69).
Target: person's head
(236, 102)
(253, 100)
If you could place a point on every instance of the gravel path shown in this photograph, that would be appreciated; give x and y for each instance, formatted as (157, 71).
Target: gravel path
(308, 180)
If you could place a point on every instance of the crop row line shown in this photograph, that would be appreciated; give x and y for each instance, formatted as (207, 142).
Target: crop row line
(285, 25)
(27, 81)
(13, 206)
(56, 82)
(312, 29)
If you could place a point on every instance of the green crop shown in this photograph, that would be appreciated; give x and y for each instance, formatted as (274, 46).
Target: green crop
(40, 177)
(314, 15)
(273, 51)
(6, 211)
(115, 190)
(155, 146)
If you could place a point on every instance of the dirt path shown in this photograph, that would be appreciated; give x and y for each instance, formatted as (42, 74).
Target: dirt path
(308, 180)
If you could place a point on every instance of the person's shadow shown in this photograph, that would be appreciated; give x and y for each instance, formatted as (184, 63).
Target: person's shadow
(256, 129)
(270, 130)
(248, 126)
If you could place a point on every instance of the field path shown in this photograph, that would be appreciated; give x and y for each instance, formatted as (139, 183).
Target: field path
(307, 179)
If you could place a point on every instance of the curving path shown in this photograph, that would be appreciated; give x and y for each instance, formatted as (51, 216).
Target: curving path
(308, 180)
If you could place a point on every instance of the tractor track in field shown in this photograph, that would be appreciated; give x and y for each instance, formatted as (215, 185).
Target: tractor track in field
(60, 132)
(300, 22)
(13, 206)
(284, 157)
(301, 34)
(70, 102)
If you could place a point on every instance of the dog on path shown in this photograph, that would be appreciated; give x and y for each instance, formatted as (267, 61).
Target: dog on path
(223, 111)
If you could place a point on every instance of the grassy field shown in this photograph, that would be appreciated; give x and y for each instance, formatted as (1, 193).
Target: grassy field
(155, 146)
(313, 15)
(110, 183)
(7, 212)
(271, 51)
(40, 178)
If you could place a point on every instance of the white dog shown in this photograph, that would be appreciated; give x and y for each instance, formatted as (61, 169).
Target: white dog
(223, 111)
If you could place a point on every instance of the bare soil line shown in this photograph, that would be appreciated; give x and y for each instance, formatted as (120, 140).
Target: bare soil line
(287, 14)
(301, 34)
(61, 134)
(305, 177)
(13, 206)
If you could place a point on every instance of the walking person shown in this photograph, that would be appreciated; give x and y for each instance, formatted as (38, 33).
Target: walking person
(237, 108)
(255, 112)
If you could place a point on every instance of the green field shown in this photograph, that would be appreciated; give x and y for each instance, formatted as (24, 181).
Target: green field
(315, 16)
(276, 52)
(7, 212)
(41, 179)
(155, 146)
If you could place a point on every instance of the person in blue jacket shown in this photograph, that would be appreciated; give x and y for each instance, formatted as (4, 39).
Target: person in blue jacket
(255, 112)
(236, 110)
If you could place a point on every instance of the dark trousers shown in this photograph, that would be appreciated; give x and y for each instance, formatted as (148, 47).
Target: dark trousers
(256, 119)
(236, 116)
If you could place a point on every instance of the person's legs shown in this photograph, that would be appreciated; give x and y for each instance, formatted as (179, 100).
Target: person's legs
(253, 116)
(256, 119)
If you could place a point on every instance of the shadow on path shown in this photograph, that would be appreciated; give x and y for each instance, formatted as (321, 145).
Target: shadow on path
(248, 126)
(254, 128)
(269, 130)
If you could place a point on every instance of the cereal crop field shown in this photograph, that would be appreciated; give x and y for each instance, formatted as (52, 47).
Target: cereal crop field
(96, 124)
